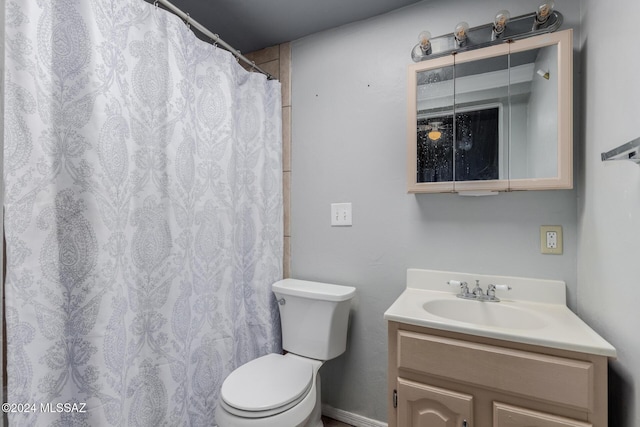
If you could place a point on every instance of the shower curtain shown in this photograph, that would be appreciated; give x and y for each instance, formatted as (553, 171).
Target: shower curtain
(143, 203)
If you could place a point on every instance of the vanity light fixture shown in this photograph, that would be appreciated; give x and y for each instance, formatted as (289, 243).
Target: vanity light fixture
(461, 32)
(545, 20)
(500, 23)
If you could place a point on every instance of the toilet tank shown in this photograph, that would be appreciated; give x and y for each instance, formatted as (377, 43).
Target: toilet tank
(314, 317)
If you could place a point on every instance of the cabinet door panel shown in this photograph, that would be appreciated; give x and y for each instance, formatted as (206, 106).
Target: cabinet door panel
(512, 416)
(421, 405)
(430, 159)
(481, 116)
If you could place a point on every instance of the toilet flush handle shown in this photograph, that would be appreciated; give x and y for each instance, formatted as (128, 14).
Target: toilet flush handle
(282, 301)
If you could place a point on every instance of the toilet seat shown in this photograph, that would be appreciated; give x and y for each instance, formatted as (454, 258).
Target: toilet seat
(267, 386)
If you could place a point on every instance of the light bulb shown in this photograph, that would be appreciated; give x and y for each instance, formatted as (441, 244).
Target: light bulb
(434, 135)
(543, 74)
(423, 48)
(500, 21)
(544, 11)
(424, 39)
(460, 32)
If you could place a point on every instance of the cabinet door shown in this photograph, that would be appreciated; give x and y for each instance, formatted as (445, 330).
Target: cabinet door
(512, 416)
(421, 405)
(481, 120)
(430, 149)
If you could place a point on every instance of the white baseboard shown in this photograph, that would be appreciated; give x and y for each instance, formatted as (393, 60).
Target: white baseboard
(350, 418)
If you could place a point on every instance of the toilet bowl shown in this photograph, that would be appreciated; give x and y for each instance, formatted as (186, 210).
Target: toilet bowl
(278, 390)
(268, 392)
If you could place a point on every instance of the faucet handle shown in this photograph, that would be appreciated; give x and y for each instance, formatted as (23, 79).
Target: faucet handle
(463, 286)
(458, 283)
(491, 291)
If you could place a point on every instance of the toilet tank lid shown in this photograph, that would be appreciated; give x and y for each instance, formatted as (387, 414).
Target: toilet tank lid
(314, 290)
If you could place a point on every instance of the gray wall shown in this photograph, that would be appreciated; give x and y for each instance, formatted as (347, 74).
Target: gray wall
(349, 145)
(609, 198)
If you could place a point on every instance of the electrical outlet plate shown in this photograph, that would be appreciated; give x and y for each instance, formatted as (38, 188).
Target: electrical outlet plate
(551, 239)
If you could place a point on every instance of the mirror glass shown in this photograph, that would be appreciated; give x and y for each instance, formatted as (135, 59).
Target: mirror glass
(489, 119)
(435, 100)
(534, 113)
(482, 119)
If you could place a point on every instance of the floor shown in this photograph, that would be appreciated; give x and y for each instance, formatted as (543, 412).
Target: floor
(328, 422)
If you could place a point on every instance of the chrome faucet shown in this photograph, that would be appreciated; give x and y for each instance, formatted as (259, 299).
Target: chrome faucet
(464, 289)
(477, 293)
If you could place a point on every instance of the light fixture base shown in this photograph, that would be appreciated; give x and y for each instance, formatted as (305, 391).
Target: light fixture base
(517, 28)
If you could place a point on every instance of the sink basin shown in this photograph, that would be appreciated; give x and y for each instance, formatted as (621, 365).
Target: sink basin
(494, 314)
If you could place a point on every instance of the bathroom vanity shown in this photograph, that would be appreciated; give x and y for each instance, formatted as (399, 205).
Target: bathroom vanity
(524, 361)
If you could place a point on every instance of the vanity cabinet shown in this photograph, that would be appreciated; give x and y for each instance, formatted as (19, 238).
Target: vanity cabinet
(441, 378)
(498, 118)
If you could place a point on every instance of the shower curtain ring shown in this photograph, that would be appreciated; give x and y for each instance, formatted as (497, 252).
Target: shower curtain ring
(188, 21)
(155, 3)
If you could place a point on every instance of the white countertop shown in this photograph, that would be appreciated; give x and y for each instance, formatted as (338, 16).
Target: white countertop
(559, 327)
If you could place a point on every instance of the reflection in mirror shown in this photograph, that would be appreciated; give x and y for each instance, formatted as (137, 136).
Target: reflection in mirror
(482, 119)
(435, 149)
(474, 146)
(434, 134)
(534, 113)
(477, 144)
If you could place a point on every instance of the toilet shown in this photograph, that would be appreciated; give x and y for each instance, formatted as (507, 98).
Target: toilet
(284, 390)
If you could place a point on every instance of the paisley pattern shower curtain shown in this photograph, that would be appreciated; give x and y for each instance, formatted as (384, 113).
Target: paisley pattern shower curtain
(143, 203)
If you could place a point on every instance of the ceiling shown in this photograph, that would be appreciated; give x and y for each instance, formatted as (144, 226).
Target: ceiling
(250, 25)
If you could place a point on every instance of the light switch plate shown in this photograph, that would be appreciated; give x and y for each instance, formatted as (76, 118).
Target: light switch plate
(341, 215)
(551, 239)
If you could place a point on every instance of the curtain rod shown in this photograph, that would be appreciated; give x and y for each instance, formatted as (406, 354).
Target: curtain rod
(216, 38)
